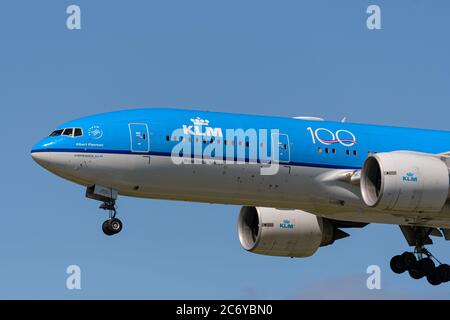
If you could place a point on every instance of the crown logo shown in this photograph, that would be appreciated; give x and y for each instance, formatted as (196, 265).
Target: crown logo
(200, 122)
(410, 174)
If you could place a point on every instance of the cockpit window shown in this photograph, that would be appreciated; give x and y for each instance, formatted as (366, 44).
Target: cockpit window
(56, 133)
(68, 132)
(78, 132)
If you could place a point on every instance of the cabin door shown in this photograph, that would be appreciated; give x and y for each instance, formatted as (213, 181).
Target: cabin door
(140, 141)
(280, 145)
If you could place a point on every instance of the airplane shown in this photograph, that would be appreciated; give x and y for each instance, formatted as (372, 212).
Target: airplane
(299, 181)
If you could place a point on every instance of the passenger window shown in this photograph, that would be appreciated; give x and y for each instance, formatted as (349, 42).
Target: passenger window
(56, 133)
(78, 132)
(68, 132)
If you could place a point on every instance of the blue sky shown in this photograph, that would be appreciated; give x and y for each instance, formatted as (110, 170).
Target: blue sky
(283, 58)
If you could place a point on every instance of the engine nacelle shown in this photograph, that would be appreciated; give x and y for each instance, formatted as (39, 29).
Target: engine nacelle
(287, 233)
(402, 181)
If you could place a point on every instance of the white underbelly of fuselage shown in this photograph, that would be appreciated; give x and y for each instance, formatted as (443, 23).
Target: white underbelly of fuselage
(295, 187)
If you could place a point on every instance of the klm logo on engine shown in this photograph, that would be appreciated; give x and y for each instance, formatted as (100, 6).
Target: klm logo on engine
(200, 128)
(410, 177)
(286, 224)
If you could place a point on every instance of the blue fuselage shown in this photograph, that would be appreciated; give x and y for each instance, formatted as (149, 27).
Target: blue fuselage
(220, 158)
(304, 142)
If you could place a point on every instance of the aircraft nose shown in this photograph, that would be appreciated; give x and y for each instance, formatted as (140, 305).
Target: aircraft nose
(41, 154)
(42, 158)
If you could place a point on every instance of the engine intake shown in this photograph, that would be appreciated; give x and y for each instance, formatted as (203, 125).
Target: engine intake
(402, 181)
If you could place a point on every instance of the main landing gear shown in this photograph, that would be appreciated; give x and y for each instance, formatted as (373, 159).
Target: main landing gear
(420, 263)
(108, 196)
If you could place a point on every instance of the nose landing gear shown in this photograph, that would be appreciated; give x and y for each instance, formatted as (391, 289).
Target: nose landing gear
(113, 225)
(108, 196)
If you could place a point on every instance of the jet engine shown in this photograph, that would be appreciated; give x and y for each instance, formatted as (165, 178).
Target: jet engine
(287, 233)
(402, 181)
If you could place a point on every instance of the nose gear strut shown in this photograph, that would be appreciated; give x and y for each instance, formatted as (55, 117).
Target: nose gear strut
(108, 197)
(113, 225)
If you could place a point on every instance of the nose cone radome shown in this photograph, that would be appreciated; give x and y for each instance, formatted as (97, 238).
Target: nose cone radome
(44, 159)
(41, 154)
